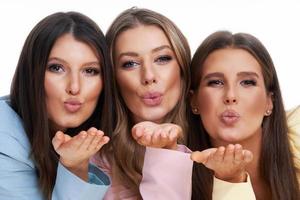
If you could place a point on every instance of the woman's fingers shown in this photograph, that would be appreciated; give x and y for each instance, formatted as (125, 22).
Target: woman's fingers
(57, 140)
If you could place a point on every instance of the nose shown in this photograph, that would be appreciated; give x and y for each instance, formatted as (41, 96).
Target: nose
(73, 85)
(148, 75)
(230, 96)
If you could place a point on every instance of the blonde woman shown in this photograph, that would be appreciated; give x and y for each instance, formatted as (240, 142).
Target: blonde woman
(151, 66)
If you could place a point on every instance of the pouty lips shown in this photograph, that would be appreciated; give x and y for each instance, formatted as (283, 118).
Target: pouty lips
(72, 105)
(152, 98)
(229, 117)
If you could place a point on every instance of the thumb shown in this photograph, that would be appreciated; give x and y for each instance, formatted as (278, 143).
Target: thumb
(248, 156)
(57, 140)
(202, 157)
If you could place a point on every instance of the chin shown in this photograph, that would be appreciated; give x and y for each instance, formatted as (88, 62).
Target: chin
(72, 124)
(155, 117)
(230, 138)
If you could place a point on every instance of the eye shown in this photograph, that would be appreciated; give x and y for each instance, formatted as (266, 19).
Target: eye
(129, 64)
(163, 59)
(248, 82)
(92, 71)
(57, 68)
(215, 83)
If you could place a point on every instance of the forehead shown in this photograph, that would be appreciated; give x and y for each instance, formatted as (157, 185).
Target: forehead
(141, 38)
(68, 46)
(231, 61)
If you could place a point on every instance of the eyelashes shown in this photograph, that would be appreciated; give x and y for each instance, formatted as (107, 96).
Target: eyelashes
(249, 82)
(55, 68)
(220, 82)
(92, 71)
(215, 83)
(129, 64)
(59, 69)
(161, 60)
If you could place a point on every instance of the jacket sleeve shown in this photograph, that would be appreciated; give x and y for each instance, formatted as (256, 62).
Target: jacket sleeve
(69, 186)
(19, 181)
(166, 175)
(223, 190)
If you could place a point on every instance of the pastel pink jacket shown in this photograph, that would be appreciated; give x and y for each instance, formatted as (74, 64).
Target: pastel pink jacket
(158, 179)
(167, 174)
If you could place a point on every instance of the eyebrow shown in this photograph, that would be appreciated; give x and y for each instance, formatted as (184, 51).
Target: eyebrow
(133, 54)
(161, 48)
(248, 74)
(214, 74)
(221, 75)
(65, 62)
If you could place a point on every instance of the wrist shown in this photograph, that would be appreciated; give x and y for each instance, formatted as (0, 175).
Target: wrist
(172, 146)
(239, 178)
(81, 169)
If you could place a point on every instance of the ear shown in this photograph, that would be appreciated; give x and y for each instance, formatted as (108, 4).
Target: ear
(269, 107)
(194, 102)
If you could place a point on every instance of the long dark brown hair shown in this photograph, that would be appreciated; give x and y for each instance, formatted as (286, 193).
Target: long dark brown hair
(127, 153)
(277, 167)
(28, 92)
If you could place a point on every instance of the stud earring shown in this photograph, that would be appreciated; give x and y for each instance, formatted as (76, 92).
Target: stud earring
(268, 112)
(195, 110)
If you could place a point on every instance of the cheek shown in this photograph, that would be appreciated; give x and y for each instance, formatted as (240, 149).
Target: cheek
(171, 74)
(52, 91)
(172, 80)
(207, 102)
(127, 84)
(256, 110)
(94, 89)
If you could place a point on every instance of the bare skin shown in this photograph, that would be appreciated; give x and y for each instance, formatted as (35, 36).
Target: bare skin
(228, 163)
(75, 151)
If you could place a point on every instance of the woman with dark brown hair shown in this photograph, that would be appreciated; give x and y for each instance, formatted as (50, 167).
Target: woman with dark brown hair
(61, 83)
(236, 99)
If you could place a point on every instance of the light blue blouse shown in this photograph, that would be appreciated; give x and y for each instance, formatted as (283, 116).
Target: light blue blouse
(18, 178)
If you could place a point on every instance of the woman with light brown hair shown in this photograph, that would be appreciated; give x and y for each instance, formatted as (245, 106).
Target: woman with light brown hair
(151, 74)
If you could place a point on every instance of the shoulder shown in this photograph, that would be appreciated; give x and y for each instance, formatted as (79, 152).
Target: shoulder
(293, 121)
(8, 117)
(293, 118)
(13, 139)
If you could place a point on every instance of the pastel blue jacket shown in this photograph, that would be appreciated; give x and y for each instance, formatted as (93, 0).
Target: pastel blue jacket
(18, 178)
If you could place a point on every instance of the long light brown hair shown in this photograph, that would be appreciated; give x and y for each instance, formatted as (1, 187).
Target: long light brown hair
(276, 160)
(127, 153)
(28, 92)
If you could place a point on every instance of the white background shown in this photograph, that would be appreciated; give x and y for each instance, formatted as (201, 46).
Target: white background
(275, 23)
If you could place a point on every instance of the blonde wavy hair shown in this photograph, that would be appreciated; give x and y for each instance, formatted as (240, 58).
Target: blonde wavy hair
(128, 156)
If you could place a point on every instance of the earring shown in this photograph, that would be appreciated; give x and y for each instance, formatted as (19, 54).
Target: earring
(195, 110)
(268, 112)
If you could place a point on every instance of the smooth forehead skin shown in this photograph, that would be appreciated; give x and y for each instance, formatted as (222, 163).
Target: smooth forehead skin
(77, 51)
(223, 58)
(153, 37)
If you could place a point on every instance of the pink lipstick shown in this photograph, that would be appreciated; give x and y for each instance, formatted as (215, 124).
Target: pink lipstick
(152, 98)
(229, 117)
(72, 105)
